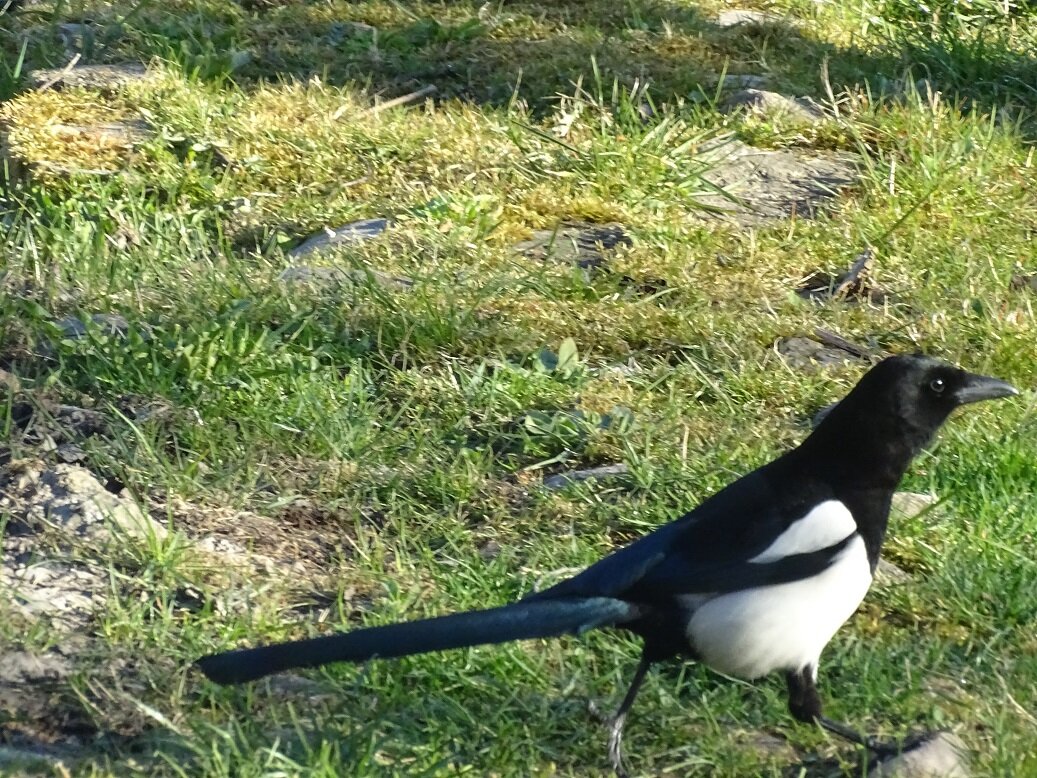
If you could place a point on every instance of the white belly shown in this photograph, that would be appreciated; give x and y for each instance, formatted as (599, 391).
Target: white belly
(785, 627)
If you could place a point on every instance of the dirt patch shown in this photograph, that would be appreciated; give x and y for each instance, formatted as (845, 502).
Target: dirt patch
(62, 528)
(68, 500)
(298, 547)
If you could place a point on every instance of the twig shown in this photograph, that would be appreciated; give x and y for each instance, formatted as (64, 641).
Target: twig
(60, 76)
(401, 100)
(828, 87)
(850, 277)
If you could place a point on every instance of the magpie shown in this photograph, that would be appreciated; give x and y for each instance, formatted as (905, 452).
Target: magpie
(755, 580)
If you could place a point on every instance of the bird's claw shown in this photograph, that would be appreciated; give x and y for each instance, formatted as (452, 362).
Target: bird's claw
(598, 714)
(887, 749)
(616, 746)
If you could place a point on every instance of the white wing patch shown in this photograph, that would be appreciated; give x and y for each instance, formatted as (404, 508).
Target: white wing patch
(826, 525)
(783, 627)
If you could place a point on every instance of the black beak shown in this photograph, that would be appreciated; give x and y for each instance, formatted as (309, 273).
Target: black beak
(981, 387)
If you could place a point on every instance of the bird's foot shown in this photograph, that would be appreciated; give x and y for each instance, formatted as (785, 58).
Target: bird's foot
(597, 713)
(615, 725)
(882, 749)
(616, 745)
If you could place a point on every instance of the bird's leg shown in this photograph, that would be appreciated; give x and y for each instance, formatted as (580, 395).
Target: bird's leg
(805, 705)
(619, 717)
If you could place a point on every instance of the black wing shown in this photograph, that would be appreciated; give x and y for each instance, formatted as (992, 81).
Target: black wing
(705, 551)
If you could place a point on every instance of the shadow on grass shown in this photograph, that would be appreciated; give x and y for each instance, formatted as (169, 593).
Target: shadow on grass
(492, 55)
(437, 731)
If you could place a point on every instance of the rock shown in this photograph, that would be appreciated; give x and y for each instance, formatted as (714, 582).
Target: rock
(736, 17)
(347, 234)
(69, 453)
(69, 499)
(290, 685)
(561, 480)
(76, 38)
(66, 593)
(741, 81)
(9, 382)
(768, 746)
(28, 761)
(907, 505)
(770, 185)
(84, 422)
(489, 550)
(853, 285)
(759, 101)
(939, 755)
(583, 245)
(21, 667)
(808, 354)
(111, 324)
(334, 276)
(342, 31)
(103, 78)
(888, 573)
(1024, 281)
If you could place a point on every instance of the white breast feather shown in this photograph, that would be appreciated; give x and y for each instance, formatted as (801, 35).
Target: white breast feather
(785, 627)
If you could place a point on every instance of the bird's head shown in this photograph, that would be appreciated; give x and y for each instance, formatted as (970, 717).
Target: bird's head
(921, 391)
(900, 404)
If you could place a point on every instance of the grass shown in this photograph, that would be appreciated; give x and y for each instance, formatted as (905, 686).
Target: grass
(385, 447)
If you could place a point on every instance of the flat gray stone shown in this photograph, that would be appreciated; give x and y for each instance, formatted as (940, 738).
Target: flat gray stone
(736, 17)
(1026, 281)
(73, 327)
(580, 244)
(765, 186)
(50, 588)
(76, 38)
(336, 276)
(290, 685)
(561, 480)
(343, 31)
(20, 761)
(333, 237)
(21, 667)
(741, 81)
(808, 354)
(941, 755)
(888, 573)
(104, 78)
(907, 505)
(762, 102)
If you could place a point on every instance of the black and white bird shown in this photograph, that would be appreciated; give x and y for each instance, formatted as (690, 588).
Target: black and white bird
(755, 580)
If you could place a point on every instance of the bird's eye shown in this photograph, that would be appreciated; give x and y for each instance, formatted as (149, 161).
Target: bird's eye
(937, 385)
